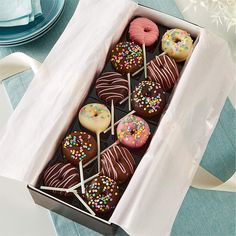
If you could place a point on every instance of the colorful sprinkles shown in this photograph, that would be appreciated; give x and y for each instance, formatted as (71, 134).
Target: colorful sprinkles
(127, 57)
(148, 96)
(177, 44)
(95, 110)
(78, 145)
(102, 194)
(133, 131)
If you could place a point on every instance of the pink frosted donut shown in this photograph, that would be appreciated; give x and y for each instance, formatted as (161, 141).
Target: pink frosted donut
(143, 30)
(133, 131)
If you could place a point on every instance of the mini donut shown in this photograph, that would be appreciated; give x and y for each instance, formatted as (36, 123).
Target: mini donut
(177, 44)
(126, 57)
(148, 99)
(133, 131)
(117, 163)
(79, 146)
(112, 86)
(102, 194)
(95, 117)
(143, 31)
(61, 175)
(163, 70)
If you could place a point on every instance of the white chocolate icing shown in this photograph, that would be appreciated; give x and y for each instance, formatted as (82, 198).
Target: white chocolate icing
(177, 44)
(95, 117)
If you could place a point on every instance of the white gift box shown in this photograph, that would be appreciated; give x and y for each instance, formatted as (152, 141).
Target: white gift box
(52, 100)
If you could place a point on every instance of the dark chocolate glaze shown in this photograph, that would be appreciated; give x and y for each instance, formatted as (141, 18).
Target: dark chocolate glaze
(126, 57)
(102, 194)
(61, 175)
(79, 146)
(148, 99)
(118, 164)
(112, 86)
(163, 70)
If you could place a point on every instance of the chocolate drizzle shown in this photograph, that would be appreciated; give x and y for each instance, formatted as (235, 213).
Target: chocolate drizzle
(112, 86)
(61, 175)
(117, 163)
(164, 71)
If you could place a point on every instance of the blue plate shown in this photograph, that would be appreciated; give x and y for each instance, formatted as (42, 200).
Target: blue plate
(28, 40)
(14, 35)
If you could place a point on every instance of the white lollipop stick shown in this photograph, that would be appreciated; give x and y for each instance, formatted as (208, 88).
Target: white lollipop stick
(112, 118)
(81, 176)
(54, 189)
(145, 61)
(117, 122)
(129, 92)
(99, 154)
(121, 102)
(84, 203)
(79, 184)
(95, 158)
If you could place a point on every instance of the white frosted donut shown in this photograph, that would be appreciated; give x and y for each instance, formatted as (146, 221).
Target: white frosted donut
(95, 117)
(177, 44)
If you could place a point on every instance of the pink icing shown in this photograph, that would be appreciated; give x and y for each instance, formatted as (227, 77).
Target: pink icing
(133, 131)
(143, 30)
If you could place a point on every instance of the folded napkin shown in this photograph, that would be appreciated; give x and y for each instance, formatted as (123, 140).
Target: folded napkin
(18, 12)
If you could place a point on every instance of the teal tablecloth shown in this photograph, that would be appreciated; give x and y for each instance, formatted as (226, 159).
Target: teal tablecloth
(202, 212)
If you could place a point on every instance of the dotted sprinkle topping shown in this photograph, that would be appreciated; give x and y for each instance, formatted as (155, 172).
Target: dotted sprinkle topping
(126, 57)
(148, 96)
(102, 194)
(78, 145)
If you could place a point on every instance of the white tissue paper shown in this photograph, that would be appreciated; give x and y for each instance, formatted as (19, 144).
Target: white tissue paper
(156, 191)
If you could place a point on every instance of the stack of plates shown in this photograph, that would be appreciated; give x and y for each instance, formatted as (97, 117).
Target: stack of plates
(14, 36)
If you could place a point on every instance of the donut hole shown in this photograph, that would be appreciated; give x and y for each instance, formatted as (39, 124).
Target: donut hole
(147, 94)
(177, 40)
(146, 30)
(95, 114)
(133, 131)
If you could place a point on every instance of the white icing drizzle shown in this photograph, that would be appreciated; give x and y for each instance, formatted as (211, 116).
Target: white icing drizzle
(110, 86)
(62, 177)
(117, 159)
(167, 76)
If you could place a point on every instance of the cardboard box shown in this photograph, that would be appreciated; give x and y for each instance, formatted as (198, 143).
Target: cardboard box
(60, 87)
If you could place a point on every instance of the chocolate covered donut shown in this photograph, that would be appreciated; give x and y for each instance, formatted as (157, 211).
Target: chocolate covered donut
(79, 146)
(112, 86)
(61, 175)
(102, 194)
(126, 57)
(117, 163)
(148, 99)
(163, 70)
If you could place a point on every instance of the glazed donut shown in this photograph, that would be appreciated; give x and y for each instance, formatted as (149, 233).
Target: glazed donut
(117, 163)
(112, 86)
(133, 131)
(143, 31)
(61, 175)
(177, 44)
(148, 99)
(126, 57)
(163, 70)
(102, 194)
(79, 146)
(95, 117)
